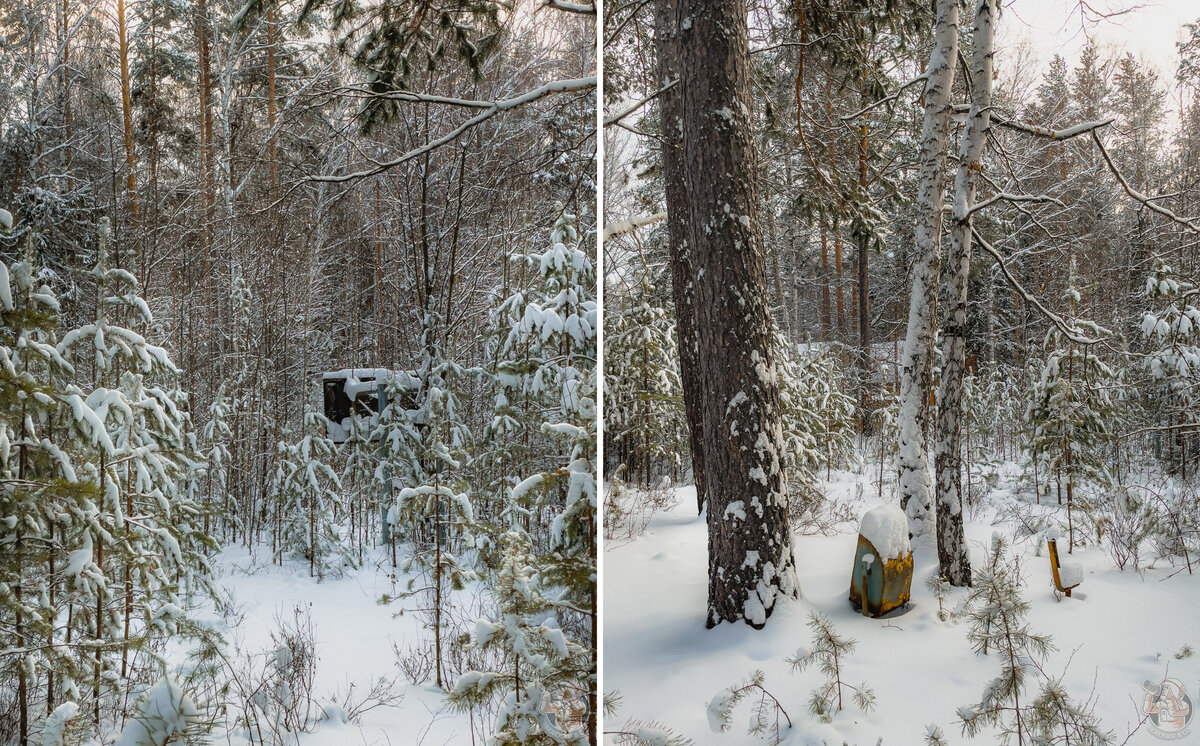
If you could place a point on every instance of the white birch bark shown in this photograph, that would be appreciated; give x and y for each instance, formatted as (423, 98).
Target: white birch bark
(916, 360)
(952, 551)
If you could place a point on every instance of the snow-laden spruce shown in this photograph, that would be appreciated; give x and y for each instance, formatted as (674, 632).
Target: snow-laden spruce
(545, 582)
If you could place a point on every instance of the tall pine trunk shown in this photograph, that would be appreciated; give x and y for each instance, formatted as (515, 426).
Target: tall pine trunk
(682, 285)
(953, 561)
(917, 360)
(750, 558)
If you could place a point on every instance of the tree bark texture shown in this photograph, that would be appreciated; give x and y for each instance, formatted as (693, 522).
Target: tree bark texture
(682, 282)
(750, 558)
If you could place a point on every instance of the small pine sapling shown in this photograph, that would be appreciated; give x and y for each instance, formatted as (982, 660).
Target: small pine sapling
(940, 588)
(828, 653)
(997, 624)
(765, 712)
(935, 736)
(639, 732)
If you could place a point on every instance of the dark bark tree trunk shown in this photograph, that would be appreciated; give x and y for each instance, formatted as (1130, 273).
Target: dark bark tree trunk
(682, 284)
(866, 365)
(750, 559)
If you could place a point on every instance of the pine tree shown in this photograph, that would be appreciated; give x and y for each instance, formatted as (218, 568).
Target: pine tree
(1171, 332)
(996, 615)
(1069, 410)
(147, 534)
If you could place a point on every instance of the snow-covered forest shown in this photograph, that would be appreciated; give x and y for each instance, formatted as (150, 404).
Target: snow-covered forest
(882, 268)
(298, 411)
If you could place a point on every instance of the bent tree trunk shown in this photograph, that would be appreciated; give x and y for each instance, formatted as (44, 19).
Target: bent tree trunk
(917, 360)
(666, 39)
(952, 551)
(750, 561)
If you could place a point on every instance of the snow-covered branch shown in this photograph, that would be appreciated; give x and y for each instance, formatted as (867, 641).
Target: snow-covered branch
(587, 10)
(1007, 197)
(1052, 134)
(1190, 224)
(621, 227)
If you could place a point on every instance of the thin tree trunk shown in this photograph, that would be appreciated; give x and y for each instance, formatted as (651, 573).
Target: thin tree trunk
(917, 361)
(953, 560)
(750, 560)
(127, 114)
(865, 366)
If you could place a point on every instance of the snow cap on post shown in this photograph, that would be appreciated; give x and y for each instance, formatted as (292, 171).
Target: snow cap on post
(886, 527)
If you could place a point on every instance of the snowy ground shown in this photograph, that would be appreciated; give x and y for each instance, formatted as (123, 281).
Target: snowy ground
(1117, 631)
(354, 636)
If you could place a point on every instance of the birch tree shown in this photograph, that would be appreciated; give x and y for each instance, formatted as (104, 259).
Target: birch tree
(917, 359)
(953, 561)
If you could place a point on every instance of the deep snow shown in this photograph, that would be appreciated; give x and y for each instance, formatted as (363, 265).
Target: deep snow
(354, 643)
(1119, 630)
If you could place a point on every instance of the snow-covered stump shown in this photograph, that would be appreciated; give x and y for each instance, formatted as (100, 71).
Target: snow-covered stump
(881, 578)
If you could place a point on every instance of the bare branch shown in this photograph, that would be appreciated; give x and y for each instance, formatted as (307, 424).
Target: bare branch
(886, 99)
(638, 104)
(1067, 329)
(1135, 194)
(494, 108)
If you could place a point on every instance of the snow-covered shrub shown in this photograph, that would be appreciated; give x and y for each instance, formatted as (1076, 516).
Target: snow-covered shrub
(166, 715)
(628, 510)
(828, 653)
(56, 730)
(639, 732)
(1126, 520)
(765, 709)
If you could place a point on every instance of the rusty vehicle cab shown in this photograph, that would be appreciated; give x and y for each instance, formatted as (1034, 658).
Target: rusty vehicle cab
(359, 391)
